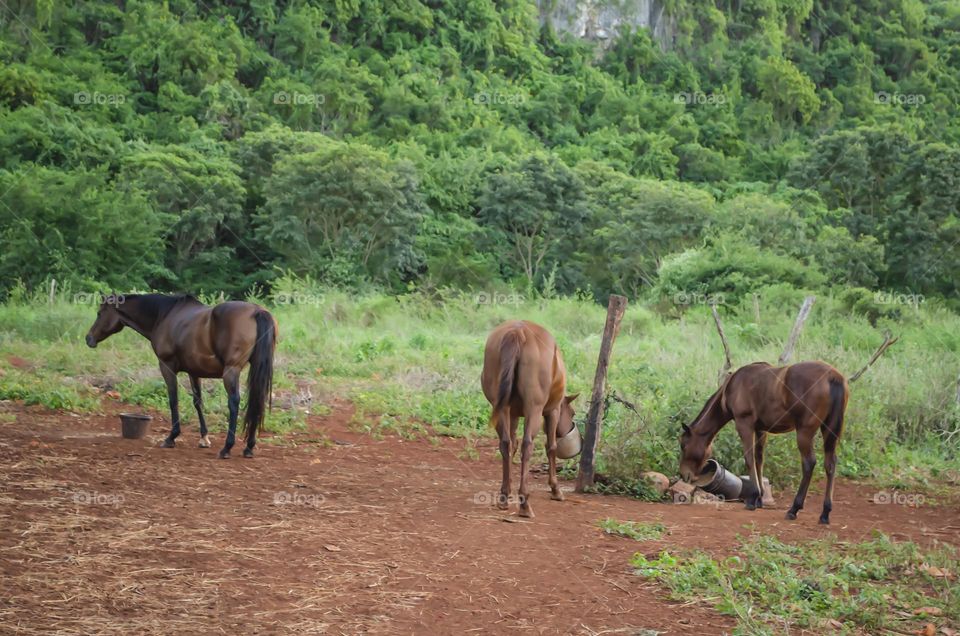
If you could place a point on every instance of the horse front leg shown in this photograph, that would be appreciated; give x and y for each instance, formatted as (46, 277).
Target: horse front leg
(751, 488)
(761, 443)
(198, 405)
(170, 378)
(552, 421)
(231, 382)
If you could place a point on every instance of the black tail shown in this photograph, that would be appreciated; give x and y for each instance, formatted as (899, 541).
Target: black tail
(509, 357)
(833, 427)
(260, 378)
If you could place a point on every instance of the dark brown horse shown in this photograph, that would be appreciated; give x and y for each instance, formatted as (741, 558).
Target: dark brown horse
(203, 342)
(804, 397)
(523, 375)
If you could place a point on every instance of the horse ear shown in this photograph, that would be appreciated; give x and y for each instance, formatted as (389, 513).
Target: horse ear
(571, 398)
(686, 429)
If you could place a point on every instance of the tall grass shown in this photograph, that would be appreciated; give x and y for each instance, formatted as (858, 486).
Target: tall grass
(417, 358)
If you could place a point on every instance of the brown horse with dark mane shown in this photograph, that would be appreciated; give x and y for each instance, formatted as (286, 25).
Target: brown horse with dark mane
(203, 342)
(523, 375)
(804, 397)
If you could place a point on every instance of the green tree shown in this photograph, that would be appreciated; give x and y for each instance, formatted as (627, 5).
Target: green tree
(74, 227)
(534, 212)
(344, 213)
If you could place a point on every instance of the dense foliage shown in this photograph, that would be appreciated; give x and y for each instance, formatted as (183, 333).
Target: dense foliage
(214, 145)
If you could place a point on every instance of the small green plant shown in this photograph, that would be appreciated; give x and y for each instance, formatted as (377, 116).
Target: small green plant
(637, 488)
(636, 530)
(36, 389)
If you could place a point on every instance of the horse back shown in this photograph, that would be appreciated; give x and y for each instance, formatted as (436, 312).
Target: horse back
(782, 398)
(203, 340)
(538, 374)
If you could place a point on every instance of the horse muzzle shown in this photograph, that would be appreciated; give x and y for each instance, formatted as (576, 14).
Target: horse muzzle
(91, 342)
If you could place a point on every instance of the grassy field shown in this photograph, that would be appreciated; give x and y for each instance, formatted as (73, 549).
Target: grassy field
(415, 360)
(825, 586)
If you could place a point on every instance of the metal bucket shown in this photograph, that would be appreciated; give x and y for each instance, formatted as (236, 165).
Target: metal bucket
(569, 445)
(717, 480)
(134, 426)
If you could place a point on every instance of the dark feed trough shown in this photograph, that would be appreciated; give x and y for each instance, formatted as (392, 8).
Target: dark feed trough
(134, 426)
(717, 480)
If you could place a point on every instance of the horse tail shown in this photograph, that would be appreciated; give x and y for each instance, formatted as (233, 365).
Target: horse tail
(509, 358)
(833, 426)
(260, 378)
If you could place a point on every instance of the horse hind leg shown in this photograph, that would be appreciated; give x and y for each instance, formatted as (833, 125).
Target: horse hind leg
(198, 405)
(808, 462)
(531, 426)
(231, 382)
(506, 431)
(830, 439)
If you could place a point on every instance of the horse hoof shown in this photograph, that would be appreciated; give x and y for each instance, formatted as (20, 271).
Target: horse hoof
(791, 515)
(247, 453)
(825, 521)
(168, 443)
(502, 505)
(204, 442)
(224, 454)
(751, 506)
(526, 513)
(557, 496)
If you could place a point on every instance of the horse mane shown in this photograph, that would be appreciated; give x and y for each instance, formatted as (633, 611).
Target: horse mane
(153, 307)
(709, 404)
(713, 400)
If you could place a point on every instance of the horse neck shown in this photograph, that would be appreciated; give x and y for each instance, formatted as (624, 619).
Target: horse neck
(712, 419)
(144, 313)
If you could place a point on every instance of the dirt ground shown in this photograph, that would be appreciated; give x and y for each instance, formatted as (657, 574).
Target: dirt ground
(342, 533)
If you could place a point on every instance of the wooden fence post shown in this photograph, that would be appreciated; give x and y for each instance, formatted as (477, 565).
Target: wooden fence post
(615, 310)
(797, 328)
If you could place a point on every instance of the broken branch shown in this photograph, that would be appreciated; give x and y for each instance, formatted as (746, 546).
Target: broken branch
(727, 365)
(887, 341)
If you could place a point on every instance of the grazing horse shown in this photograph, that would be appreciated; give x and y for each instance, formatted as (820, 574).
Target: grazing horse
(523, 375)
(803, 397)
(204, 342)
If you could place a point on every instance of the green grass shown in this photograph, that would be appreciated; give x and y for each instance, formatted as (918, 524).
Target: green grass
(636, 530)
(412, 364)
(773, 587)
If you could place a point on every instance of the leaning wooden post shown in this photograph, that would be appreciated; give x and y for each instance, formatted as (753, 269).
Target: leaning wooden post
(797, 328)
(887, 341)
(727, 365)
(615, 310)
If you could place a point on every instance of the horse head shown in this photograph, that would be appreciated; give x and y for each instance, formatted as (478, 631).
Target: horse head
(695, 450)
(108, 320)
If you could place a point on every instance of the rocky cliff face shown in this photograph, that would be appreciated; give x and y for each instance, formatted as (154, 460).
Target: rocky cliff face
(601, 20)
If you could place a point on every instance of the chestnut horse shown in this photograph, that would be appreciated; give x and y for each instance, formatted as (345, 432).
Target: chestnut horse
(203, 342)
(803, 397)
(523, 375)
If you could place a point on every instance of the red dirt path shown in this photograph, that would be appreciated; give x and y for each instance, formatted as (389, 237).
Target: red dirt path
(337, 532)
